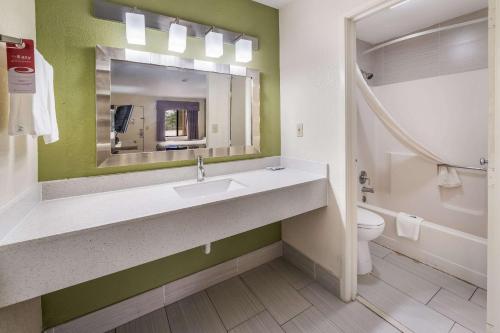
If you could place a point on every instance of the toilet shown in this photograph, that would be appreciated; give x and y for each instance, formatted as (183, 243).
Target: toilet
(370, 226)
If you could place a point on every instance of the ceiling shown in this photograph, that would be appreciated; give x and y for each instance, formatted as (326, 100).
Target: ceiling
(273, 3)
(150, 80)
(412, 16)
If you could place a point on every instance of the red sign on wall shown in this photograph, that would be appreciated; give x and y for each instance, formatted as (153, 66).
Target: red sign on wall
(21, 67)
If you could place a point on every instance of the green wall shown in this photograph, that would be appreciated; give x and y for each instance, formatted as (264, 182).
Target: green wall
(67, 34)
(63, 305)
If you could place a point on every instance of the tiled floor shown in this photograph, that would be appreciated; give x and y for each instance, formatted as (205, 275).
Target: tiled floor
(277, 297)
(420, 297)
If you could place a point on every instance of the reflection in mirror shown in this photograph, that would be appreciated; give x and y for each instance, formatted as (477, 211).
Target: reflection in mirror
(158, 108)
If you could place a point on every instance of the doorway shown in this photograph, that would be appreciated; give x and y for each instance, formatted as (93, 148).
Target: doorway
(354, 193)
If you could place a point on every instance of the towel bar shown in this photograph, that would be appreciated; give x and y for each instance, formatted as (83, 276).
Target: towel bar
(9, 39)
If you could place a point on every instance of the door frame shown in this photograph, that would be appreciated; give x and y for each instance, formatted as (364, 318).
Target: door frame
(493, 275)
(350, 247)
(349, 287)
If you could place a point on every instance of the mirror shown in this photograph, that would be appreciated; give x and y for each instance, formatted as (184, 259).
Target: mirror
(172, 109)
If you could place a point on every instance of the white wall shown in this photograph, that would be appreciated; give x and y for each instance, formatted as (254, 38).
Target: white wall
(448, 114)
(18, 155)
(312, 93)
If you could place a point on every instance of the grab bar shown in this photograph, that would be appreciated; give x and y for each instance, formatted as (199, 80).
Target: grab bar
(463, 167)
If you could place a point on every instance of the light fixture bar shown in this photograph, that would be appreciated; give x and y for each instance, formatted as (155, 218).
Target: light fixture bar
(110, 11)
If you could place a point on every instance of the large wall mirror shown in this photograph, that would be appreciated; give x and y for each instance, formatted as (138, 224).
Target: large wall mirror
(157, 108)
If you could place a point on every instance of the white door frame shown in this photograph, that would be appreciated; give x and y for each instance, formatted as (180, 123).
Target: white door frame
(350, 248)
(349, 286)
(493, 306)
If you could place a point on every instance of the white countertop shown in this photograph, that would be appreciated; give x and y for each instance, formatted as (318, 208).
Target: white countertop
(53, 218)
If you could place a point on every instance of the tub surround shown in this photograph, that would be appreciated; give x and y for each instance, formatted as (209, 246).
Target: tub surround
(75, 239)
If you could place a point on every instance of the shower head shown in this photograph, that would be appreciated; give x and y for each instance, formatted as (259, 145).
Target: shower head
(366, 75)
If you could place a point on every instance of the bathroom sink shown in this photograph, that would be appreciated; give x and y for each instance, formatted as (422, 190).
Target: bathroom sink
(207, 188)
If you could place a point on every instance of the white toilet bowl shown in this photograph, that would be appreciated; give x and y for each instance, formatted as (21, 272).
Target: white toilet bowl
(370, 226)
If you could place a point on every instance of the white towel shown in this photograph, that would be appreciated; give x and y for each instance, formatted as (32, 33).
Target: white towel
(408, 226)
(35, 114)
(448, 177)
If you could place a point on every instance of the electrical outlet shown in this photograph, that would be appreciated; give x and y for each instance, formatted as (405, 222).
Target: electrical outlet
(300, 130)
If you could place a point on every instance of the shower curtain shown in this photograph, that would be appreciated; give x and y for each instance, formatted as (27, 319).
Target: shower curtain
(447, 176)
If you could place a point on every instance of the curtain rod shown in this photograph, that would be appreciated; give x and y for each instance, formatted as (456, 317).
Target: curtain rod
(425, 32)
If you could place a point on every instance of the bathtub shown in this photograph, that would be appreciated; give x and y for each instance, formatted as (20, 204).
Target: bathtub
(457, 253)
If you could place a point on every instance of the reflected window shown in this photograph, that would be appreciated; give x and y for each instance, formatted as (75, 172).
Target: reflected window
(175, 123)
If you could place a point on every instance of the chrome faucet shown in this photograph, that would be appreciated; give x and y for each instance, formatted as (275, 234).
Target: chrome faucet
(200, 168)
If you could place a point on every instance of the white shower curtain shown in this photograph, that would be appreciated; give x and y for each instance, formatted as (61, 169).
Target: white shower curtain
(447, 176)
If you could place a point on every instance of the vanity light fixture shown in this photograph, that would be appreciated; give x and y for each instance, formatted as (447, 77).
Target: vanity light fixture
(135, 25)
(243, 50)
(214, 44)
(177, 37)
(404, 2)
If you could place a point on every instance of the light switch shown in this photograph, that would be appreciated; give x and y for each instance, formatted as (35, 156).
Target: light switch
(300, 130)
(215, 128)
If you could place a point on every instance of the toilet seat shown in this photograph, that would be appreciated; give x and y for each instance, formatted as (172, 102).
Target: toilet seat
(369, 220)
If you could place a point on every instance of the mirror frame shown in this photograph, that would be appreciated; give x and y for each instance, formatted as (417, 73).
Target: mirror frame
(104, 158)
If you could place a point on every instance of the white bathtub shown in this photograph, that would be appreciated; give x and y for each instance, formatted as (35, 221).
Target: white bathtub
(457, 253)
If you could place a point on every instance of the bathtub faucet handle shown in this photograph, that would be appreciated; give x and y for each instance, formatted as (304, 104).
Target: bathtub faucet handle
(363, 178)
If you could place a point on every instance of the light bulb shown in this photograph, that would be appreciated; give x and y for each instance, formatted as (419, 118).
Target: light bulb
(214, 45)
(243, 50)
(135, 28)
(177, 36)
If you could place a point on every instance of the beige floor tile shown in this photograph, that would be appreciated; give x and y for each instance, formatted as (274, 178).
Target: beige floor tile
(410, 284)
(261, 323)
(466, 313)
(194, 314)
(416, 316)
(457, 286)
(349, 317)
(292, 274)
(154, 322)
(459, 329)
(479, 297)
(311, 321)
(281, 300)
(234, 302)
